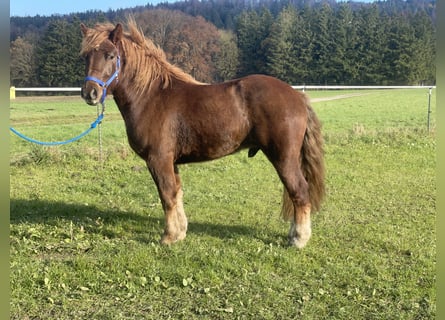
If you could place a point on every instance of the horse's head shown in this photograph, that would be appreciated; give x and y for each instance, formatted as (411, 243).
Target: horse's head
(102, 63)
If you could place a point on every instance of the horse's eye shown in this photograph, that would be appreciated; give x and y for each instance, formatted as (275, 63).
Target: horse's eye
(109, 56)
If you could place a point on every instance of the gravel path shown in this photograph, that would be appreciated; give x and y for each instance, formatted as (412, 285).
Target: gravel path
(341, 96)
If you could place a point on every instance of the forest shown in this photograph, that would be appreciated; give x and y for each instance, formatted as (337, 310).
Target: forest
(328, 42)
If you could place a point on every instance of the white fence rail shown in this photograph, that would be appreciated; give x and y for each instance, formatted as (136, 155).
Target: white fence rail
(49, 89)
(309, 87)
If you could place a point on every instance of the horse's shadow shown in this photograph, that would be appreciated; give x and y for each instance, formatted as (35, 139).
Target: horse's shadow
(111, 222)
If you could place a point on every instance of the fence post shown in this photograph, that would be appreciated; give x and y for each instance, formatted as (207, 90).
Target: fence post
(429, 108)
(12, 93)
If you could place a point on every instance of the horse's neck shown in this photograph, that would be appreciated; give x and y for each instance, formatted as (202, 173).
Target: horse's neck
(131, 102)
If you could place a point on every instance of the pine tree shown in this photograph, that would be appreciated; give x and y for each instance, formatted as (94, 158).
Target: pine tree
(399, 52)
(59, 63)
(370, 49)
(288, 47)
(321, 44)
(252, 30)
(424, 49)
(342, 65)
(226, 60)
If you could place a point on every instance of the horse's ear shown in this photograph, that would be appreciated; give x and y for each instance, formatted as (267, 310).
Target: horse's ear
(84, 29)
(116, 34)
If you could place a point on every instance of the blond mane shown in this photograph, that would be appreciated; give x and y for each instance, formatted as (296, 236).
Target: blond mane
(145, 62)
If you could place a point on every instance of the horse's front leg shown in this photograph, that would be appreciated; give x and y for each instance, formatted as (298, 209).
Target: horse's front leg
(182, 218)
(167, 180)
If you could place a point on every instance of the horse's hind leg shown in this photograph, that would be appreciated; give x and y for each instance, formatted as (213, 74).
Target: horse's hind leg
(296, 203)
(300, 229)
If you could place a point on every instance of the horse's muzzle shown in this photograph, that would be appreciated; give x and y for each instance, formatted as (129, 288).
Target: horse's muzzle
(91, 94)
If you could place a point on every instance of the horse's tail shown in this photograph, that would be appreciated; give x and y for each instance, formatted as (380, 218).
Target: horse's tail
(312, 159)
(312, 165)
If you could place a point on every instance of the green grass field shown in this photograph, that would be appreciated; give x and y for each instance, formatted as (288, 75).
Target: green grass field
(84, 234)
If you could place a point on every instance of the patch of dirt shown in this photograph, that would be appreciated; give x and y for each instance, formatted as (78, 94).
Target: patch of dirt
(341, 96)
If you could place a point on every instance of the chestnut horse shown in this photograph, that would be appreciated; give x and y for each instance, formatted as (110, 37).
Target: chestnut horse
(172, 119)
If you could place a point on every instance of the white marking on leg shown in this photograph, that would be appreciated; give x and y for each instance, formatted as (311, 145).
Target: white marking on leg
(171, 227)
(181, 217)
(300, 233)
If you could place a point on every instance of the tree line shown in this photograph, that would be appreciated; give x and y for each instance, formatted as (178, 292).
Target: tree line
(298, 41)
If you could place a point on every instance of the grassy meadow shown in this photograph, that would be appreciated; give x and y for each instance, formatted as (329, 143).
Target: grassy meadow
(84, 234)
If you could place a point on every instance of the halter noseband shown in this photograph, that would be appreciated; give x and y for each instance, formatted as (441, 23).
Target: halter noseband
(105, 84)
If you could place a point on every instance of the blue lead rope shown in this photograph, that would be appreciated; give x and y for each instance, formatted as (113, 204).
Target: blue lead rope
(56, 143)
(104, 86)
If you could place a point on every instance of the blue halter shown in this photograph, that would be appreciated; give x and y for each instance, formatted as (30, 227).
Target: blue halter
(105, 84)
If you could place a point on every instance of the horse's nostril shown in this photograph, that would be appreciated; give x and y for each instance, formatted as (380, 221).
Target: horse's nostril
(93, 94)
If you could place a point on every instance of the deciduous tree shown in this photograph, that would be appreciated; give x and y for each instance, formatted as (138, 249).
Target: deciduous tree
(21, 63)
(189, 42)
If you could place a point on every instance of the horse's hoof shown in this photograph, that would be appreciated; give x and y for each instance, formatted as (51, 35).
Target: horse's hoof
(168, 240)
(299, 243)
(181, 236)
